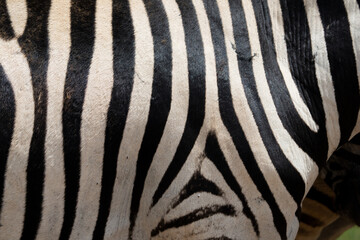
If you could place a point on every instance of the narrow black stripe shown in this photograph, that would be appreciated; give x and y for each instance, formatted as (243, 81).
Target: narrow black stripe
(214, 153)
(347, 156)
(7, 113)
(196, 112)
(34, 44)
(342, 63)
(302, 67)
(320, 197)
(356, 139)
(82, 46)
(229, 116)
(6, 31)
(124, 56)
(198, 214)
(358, 1)
(196, 184)
(160, 100)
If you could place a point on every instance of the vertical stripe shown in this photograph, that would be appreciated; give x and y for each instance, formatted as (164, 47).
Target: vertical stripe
(6, 31)
(324, 79)
(7, 113)
(82, 43)
(302, 67)
(342, 63)
(18, 73)
(123, 67)
(160, 100)
(59, 49)
(196, 112)
(135, 123)
(93, 122)
(353, 12)
(34, 45)
(18, 13)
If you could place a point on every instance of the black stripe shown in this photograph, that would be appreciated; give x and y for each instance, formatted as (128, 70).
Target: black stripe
(320, 197)
(347, 157)
(124, 60)
(7, 119)
(6, 31)
(34, 44)
(82, 46)
(196, 112)
(160, 100)
(293, 183)
(196, 184)
(214, 153)
(342, 63)
(302, 67)
(358, 1)
(196, 215)
(356, 139)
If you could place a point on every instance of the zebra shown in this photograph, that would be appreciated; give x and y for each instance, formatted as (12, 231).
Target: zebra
(331, 205)
(170, 119)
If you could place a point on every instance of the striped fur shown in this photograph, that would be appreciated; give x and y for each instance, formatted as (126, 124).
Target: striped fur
(196, 119)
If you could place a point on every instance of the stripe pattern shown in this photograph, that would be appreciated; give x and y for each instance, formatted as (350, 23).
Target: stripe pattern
(200, 119)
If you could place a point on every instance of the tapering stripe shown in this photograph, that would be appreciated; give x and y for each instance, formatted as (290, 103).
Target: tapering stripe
(196, 112)
(230, 120)
(34, 45)
(123, 65)
(319, 196)
(6, 31)
(214, 153)
(342, 64)
(7, 113)
(160, 100)
(82, 44)
(302, 67)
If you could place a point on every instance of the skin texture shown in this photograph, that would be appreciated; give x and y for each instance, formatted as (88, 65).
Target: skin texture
(176, 119)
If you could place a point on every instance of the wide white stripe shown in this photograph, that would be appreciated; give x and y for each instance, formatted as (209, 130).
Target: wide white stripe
(93, 123)
(306, 167)
(323, 74)
(353, 11)
(17, 70)
(175, 124)
(283, 62)
(17, 10)
(118, 221)
(54, 186)
(285, 201)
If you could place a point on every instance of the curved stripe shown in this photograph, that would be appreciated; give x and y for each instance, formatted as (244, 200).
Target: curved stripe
(82, 43)
(6, 31)
(93, 122)
(135, 124)
(123, 66)
(342, 64)
(160, 101)
(18, 13)
(59, 49)
(323, 75)
(7, 112)
(34, 45)
(18, 72)
(196, 111)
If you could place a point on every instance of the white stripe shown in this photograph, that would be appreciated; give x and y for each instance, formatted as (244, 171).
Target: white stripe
(297, 157)
(54, 186)
(353, 11)
(118, 221)
(18, 15)
(17, 70)
(283, 62)
(251, 131)
(323, 74)
(175, 124)
(93, 123)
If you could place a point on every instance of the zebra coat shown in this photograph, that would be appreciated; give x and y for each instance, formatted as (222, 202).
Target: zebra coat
(170, 119)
